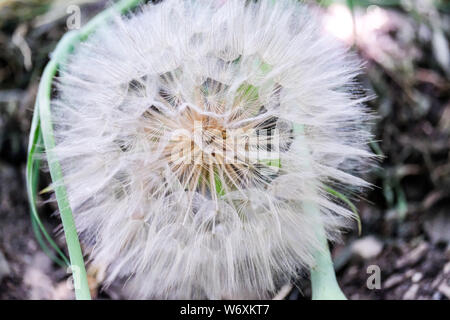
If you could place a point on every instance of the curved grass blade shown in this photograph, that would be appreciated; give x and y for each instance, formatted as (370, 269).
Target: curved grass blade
(43, 245)
(42, 124)
(32, 175)
(39, 230)
(352, 207)
(73, 244)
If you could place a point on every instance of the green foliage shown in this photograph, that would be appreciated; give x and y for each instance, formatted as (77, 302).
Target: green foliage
(42, 129)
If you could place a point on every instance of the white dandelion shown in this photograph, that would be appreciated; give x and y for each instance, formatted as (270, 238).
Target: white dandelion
(193, 134)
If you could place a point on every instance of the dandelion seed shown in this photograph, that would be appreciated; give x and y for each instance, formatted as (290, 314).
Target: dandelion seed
(192, 133)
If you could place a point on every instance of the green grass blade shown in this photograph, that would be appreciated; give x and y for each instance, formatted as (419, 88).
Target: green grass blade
(37, 225)
(43, 245)
(42, 124)
(32, 174)
(73, 244)
(348, 203)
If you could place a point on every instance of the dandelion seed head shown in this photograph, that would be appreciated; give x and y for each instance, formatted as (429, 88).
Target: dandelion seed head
(191, 136)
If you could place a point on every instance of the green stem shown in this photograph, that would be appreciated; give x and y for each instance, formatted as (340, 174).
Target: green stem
(323, 279)
(32, 184)
(38, 227)
(42, 118)
(73, 244)
(352, 207)
(324, 284)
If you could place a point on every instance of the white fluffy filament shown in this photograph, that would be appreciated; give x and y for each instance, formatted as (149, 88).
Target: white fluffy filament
(175, 131)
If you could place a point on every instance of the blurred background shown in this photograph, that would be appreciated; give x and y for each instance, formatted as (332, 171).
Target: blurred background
(405, 217)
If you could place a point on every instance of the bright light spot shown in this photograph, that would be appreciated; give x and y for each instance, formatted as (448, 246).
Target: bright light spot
(375, 18)
(339, 22)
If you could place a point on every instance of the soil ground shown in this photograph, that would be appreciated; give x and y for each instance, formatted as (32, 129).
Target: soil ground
(405, 217)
